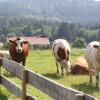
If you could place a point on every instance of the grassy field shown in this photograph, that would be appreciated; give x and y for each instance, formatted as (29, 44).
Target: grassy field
(43, 62)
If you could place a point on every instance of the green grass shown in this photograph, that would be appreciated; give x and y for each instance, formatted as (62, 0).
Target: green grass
(42, 61)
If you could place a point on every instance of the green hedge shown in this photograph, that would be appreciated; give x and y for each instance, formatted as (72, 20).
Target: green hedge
(79, 43)
(40, 47)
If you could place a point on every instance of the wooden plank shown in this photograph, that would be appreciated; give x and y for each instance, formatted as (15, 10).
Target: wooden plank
(89, 97)
(13, 67)
(53, 89)
(12, 87)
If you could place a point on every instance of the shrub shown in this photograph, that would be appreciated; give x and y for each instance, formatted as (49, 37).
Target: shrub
(5, 46)
(41, 47)
(79, 43)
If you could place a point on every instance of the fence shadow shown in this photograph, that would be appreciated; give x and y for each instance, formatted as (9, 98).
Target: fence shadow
(52, 75)
(86, 87)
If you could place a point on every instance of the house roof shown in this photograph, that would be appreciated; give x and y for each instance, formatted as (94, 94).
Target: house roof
(36, 40)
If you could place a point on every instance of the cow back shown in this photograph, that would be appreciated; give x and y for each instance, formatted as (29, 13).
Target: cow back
(80, 66)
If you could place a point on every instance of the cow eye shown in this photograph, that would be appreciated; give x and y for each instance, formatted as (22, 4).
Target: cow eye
(96, 46)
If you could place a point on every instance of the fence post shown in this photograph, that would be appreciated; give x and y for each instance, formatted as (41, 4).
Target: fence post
(0, 71)
(0, 68)
(99, 81)
(79, 97)
(24, 84)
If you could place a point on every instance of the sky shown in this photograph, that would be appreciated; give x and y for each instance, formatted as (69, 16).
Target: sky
(96, 0)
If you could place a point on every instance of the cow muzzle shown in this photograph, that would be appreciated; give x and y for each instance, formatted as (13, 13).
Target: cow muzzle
(19, 50)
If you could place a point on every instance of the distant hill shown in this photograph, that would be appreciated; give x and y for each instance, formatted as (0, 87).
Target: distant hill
(72, 10)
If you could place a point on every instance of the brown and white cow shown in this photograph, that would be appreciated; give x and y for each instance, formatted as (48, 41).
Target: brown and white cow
(93, 58)
(18, 49)
(61, 51)
(80, 66)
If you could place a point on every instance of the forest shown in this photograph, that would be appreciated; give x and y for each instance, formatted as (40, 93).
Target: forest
(22, 26)
(69, 19)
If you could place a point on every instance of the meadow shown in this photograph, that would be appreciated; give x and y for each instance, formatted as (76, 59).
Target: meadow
(43, 62)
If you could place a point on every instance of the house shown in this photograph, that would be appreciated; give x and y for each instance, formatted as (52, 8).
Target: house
(34, 40)
(38, 40)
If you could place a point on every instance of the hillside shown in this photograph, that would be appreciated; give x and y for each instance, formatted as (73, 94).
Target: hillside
(74, 10)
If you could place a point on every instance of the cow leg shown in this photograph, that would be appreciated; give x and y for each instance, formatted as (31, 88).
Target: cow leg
(57, 67)
(62, 70)
(23, 62)
(97, 79)
(90, 73)
(68, 70)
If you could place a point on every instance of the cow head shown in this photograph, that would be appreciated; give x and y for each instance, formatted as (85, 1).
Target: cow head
(18, 44)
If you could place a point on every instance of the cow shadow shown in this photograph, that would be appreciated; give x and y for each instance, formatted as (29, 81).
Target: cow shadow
(88, 88)
(52, 75)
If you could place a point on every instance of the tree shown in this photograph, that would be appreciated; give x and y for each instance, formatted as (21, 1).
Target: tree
(27, 31)
(67, 30)
(79, 43)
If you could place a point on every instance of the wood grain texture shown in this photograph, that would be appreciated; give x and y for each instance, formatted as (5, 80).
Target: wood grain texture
(14, 89)
(54, 89)
(13, 67)
(48, 86)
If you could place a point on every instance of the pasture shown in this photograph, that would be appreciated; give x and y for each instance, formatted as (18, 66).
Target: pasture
(42, 61)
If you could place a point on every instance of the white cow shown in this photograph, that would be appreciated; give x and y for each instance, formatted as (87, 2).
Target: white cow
(61, 51)
(93, 59)
(5, 54)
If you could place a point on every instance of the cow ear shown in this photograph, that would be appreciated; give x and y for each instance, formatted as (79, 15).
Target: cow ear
(25, 42)
(95, 46)
(12, 41)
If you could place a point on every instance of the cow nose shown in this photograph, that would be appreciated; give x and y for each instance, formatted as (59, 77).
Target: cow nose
(19, 50)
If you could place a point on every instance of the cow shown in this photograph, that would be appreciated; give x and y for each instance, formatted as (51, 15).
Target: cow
(5, 54)
(80, 66)
(18, 49)
(93, 59)
(61, 52)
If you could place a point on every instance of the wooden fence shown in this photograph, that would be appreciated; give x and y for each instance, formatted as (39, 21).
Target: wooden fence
(51, 88)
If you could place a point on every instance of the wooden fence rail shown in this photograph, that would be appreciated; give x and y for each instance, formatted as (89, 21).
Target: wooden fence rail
(51, 88)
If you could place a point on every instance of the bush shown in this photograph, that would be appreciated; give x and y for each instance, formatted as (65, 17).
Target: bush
(5, 46)
(79, 43)
(41, 47)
